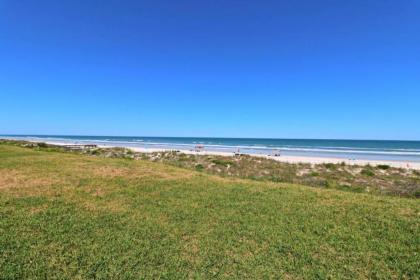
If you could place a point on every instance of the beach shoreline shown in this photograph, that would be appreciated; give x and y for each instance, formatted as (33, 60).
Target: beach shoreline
(294, 159)
(282, 158)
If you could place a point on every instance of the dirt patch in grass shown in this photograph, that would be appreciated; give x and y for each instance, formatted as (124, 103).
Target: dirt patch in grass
(116, 168)
(112, 172)
(38, 209)
(10, 179)
(94, 205)
(191, 250)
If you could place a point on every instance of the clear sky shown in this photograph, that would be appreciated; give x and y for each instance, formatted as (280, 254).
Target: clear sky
(286, 69)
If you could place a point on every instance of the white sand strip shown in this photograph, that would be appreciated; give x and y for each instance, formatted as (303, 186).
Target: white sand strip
(299, 159)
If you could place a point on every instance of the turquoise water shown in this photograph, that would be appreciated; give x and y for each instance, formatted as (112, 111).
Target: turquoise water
(349, 149)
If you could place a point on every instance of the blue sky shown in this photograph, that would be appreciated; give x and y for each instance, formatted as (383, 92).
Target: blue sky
(286, 69)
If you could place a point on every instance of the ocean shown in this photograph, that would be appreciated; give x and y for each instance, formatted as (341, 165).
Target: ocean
(346, 149)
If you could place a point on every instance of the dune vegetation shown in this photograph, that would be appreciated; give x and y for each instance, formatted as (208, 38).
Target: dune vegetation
(76, 216)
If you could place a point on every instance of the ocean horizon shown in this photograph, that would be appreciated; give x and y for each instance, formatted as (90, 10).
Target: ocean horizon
(395, 150)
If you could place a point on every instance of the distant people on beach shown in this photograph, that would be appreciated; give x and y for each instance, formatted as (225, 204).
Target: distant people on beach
(199, 148)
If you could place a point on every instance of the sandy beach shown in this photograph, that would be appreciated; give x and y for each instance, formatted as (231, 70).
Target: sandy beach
(298, 159)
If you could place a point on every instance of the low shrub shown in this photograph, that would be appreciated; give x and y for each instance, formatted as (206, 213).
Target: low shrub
(95, 152)
(330, 184)
(277, 179)
(351, 188)
(222, 162)
(199, 167)
(42, 145)
(330, 166)
(383, 166)
(367, 172)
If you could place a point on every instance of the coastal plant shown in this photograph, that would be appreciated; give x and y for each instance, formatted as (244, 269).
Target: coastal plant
(42, 145)
(330, 166)
(367, 172)
(350, 188)
(199, 167)
(223, 162)
(383, 166)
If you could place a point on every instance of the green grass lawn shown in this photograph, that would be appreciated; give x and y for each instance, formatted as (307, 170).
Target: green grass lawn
(68, 216)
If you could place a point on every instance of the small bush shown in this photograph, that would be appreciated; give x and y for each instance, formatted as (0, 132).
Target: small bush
(222, 162)
(314, 174)
(367, 172)
(42, 145)
(199, 167)
(330, 184)
(383, 166)
(330, 166)
(350, 188)
(95, 152)
(277, 179)
(344, 187)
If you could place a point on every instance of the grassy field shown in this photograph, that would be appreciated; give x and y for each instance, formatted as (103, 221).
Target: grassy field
(70, 216)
